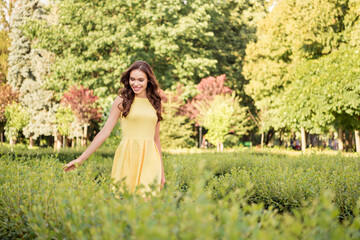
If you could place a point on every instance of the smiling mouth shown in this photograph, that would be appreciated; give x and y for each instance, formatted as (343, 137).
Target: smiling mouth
(136, 88)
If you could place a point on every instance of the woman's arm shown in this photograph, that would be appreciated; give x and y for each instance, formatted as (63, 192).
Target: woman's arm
(157, 142)
(100, 137)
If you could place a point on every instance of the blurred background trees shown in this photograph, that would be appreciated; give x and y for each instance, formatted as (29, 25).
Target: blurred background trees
(299, 53)
(290, 65)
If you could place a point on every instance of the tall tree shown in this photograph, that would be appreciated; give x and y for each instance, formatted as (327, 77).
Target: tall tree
(184, 41)
(352, 23)
(4, 54)
(6, 9)
(103, 38)
(28, 67)
(325, 93)
(234, 24)
(292, 32)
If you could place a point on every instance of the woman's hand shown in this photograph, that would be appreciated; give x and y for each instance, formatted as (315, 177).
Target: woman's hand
(162, 181)
(72, 165)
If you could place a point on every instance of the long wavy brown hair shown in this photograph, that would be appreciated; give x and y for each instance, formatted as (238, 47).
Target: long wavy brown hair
(152, 88)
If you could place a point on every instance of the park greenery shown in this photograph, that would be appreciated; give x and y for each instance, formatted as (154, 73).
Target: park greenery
(266, 72)
(239, 195)
(231, 73)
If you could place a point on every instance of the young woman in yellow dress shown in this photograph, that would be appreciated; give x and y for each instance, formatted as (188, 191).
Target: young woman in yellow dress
(137, 159)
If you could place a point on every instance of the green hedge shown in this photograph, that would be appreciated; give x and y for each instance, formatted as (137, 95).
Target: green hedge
(207, 196)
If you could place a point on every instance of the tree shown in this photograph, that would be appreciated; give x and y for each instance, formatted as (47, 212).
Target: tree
(325, 92)
(28, 68)
(293, 32)
(234, 24)
(184, 41)
(17, 118)
(82, 102)
(342, 94)
(176, 130)
(220, 116)
(352, 23)
(207, 89)
(103, 38)
(64, 118)
(299, 105)
(6, 9)
(8, 96)
(4, 53)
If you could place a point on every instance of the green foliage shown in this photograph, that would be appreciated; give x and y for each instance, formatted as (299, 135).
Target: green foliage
(294, 31)
(64, 118)
(324, 92)
(6, 9)
(234, 24)
(221, 116)
(352, 23)
(216, 116)
(4, 54)
(7, 97)
(176, 130)
(213, 196)
(17, 119)
(28, 68)
(182, 40)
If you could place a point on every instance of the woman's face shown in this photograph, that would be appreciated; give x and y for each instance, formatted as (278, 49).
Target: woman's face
(138, 82)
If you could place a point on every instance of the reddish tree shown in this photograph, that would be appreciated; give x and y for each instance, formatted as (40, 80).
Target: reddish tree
(163, 96)
(7, 97)
(82, 102)
(208, 87)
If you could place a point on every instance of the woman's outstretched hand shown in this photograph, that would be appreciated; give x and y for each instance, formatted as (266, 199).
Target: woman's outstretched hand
(72, 165)
(162, 182)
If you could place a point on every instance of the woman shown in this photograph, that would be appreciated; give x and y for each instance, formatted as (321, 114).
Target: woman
(138, 158)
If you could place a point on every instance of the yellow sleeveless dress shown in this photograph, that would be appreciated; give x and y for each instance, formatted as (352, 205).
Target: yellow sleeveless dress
(137, 158)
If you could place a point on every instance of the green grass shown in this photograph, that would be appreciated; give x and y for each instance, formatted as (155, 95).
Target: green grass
(244, 194)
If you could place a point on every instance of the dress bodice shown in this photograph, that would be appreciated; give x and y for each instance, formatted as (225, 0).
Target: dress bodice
(141, 121)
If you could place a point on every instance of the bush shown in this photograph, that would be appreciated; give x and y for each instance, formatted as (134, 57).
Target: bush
(208, 196)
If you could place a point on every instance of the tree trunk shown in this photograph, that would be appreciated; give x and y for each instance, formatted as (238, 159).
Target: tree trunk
(349, 142)
(221, 147)
(303, 139)
(262, 140)
(63, 141)
(31, 140)
(357, 140)
(2, 138)
(57, 142)
(11, 143)
(84, 140)
(340, 139)
(77, 141)
(269, 136)
(200, 136)
(73, 142)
